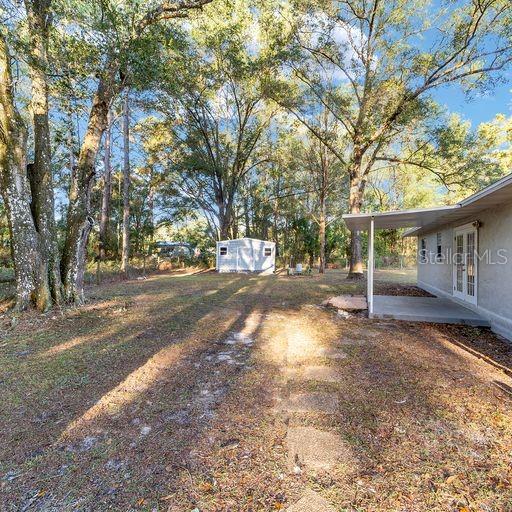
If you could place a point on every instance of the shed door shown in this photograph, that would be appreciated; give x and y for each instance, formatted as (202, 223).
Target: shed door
(244, 258)
(465, 268)
(266, 258)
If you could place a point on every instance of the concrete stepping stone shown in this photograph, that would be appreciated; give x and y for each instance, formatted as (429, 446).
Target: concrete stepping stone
(347, 302)
(316, 402)
(311, 501)
(357, 342)
(322, 373)
(331, 353)
(315, 449)
(238, 338)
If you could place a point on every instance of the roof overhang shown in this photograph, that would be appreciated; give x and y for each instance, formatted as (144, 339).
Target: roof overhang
(395, 220)
(429, 219)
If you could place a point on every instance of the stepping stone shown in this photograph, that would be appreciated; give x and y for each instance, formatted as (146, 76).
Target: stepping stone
(347, 302)
(352, 341)
(311, 502)
(331, 353)
(317, 402)
(322, 373)
(238, 338)
(314, 449)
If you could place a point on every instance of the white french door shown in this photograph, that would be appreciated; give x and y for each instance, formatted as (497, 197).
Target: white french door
(465, 264)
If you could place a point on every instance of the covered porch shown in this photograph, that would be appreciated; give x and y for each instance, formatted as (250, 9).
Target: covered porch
(408, 308)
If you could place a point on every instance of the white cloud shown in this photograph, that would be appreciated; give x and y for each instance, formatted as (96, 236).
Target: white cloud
(319, 30)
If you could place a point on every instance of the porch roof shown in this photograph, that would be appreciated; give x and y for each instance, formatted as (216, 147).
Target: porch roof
(398, 219)
(429, 219)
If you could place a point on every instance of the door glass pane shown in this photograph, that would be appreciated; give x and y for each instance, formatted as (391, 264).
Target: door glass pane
(459, 261)
(470, 264)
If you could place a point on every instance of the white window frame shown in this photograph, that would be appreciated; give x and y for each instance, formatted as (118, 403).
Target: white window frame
(423, 250)
(439, 246)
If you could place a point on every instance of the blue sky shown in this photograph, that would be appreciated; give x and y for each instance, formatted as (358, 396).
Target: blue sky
(481, 108)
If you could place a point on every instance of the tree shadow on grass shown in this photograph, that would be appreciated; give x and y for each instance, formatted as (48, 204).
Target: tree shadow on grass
(128, 430)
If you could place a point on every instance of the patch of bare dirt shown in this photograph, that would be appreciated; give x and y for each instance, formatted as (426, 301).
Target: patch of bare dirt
(400, 290)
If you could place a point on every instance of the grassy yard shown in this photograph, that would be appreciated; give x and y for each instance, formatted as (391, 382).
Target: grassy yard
(136, 401)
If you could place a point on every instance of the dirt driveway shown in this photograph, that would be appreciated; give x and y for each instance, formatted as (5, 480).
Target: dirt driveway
(214, 392)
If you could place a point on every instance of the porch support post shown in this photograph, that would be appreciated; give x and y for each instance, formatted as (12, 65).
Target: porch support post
(371, 266)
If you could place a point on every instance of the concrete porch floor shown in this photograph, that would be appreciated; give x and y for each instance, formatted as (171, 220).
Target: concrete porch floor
(425, 309)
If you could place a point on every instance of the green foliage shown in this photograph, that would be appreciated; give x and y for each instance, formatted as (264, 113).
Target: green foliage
(228, 129)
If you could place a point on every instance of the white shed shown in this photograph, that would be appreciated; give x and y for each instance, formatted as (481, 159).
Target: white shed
(246, 255)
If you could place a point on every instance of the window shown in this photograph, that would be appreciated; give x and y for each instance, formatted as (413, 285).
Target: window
(268, 251)
(439, 254)
(223, 251)
(423, 251)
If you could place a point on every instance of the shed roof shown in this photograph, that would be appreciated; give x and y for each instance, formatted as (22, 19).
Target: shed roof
(245, 238)
(428, 219)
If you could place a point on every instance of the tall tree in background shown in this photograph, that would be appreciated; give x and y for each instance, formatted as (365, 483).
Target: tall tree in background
(125, 44)
(106, 195)
(79, 220)
(384, 74)
(324, 172)
(125, 252)
(217, 116)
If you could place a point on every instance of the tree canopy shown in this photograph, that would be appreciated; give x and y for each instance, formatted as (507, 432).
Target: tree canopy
(124, 122)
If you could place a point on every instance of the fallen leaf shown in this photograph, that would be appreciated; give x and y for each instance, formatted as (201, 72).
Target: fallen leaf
(206, 487)
(451, 479)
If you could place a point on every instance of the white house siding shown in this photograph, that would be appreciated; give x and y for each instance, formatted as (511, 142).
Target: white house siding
(494, 293)
(436, 277)
(495, 281)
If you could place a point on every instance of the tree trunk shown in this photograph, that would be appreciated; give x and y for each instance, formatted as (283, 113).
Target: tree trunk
(324, 181)
(107, 190)
(79, 221)
(234, 225)
(125, 255)
(321, 234)
(31, 285)
(151, 213)
(247, 217)
(275, 215)
(224, 220)
(355, 203)
(71, 141)
(40, 172)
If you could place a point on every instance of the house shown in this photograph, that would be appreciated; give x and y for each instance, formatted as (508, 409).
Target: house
(246, 255)
(464, 259)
